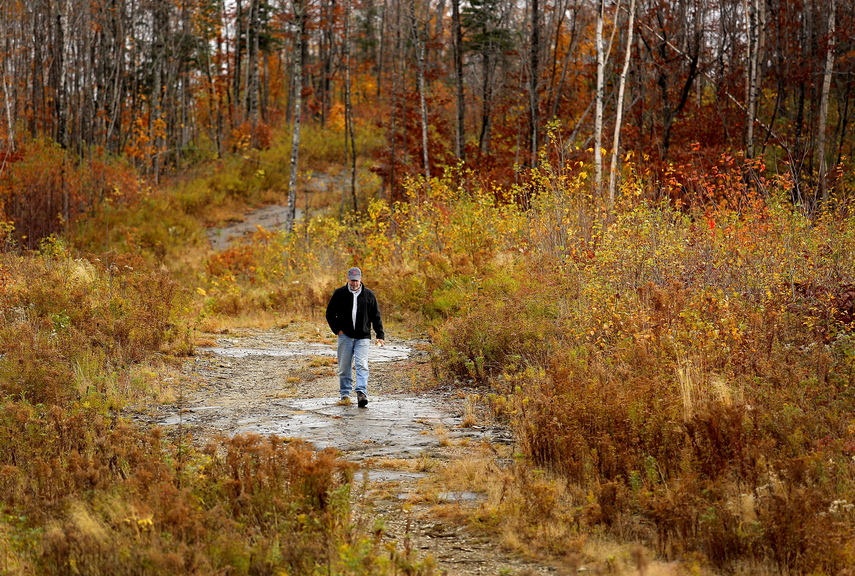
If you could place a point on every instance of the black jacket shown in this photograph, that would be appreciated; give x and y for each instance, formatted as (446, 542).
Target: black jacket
(340, 308)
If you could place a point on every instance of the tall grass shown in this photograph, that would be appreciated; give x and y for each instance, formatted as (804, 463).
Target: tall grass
(690, 371)
(428, 255)
(70, 327)
(82, 490)
(693, 370)
(683, 362)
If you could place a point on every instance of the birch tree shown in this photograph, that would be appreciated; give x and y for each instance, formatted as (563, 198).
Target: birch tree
(460, 108)
(755, 22)
(418, 32)
(602, 58)
(350, 142)
(598, 114)
(619, 115)
(300, 18)
(534, 80)
(823, 106)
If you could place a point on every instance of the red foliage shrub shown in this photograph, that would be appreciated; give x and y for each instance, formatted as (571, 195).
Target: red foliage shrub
(43, 188)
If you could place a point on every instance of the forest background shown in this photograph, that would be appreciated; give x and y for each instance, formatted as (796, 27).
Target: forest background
(653, 198)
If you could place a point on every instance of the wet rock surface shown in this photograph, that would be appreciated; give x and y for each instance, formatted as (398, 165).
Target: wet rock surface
(271, 382)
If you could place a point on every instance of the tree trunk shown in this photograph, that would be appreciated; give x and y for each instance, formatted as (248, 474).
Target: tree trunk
(486, 105)
(161, 22)
(252, 71)
(214, 108)
(754, 22)
(843, 114)
(619, 117)
(291, 212)
(381, 51)
(534, 80)
(457, 41)
(823, 107)
(10, 124)
(7, 96)
(326, 57)
(598, 114)
(419, 40)
(556, 44)
(236, 95)
(350, 142)
(58, 78)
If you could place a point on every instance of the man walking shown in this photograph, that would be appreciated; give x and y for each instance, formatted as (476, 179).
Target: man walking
(351, 313)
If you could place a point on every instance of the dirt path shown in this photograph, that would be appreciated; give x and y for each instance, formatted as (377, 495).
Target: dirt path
(283, 382)
(273, 216)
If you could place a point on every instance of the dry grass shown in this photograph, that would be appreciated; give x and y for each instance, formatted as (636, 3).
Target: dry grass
(470, 412)
(662, 407)
(322, 362)
(82, 488)
(660, 363)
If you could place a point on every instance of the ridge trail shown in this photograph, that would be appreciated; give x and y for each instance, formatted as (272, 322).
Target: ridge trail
(283, 382)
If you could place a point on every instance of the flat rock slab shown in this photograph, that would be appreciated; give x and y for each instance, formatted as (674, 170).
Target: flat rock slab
(388, 427)
(400, 427)
(247, 385)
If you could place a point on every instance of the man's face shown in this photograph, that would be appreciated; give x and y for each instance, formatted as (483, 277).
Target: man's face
(354, 284)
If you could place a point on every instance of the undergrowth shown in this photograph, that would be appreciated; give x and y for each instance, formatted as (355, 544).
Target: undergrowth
(168, 225)
(84, 491)
(686, 368)
(71, 328)
(693, 373)
(678, 371)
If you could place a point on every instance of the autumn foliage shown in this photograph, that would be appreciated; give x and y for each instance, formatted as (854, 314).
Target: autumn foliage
(676, 361)
(687, 372)
(43, 188)
(85, 490)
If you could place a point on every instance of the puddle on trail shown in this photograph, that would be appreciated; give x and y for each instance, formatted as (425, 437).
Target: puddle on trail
(375, 354)
(390, 427)
(400, 427)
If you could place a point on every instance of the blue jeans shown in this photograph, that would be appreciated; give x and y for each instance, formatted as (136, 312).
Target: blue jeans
(352, 351)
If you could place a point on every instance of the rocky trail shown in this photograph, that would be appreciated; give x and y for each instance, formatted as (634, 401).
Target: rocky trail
(283, 382)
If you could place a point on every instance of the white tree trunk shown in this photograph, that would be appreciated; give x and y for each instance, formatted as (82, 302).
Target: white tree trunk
(534, 81)
(457, 43)
(619, 118)
(602, 57)
(420, 60)
(10, 130)
(598, 114)
(350, 141)
(823, 107)
(755, 20)
(291, 212)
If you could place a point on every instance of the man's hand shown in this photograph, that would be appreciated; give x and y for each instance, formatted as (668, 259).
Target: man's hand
(381, 343)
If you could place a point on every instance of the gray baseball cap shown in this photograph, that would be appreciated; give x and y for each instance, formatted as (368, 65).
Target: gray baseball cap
(354, 274)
